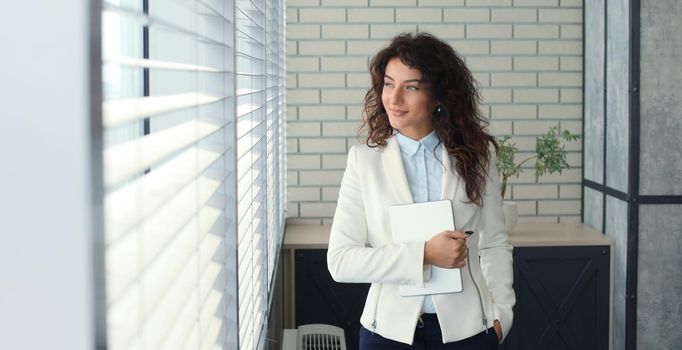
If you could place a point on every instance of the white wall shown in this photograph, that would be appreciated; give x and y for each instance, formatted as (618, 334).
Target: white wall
(46, 198)
(526, 54)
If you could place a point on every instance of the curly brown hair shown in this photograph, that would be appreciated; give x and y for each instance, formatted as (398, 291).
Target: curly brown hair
(458, 122)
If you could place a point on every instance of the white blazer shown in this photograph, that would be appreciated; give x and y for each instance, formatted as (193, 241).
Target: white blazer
(361, 249)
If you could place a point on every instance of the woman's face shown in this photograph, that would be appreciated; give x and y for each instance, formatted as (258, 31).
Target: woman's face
(406, 100)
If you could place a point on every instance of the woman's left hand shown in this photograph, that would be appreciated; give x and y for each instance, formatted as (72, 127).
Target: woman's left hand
(498, 329)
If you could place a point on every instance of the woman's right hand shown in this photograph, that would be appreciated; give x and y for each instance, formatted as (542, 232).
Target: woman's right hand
(447, 249)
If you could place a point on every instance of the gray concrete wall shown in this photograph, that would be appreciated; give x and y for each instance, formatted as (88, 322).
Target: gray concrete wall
(617, 228)
(610, 54)
(659, 282)
(594, 208)
(617, 99)
(661, 97)
(659, 307)
(594, 92)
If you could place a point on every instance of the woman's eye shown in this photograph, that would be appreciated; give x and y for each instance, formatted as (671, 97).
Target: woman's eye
(413, 88)
(388, 84)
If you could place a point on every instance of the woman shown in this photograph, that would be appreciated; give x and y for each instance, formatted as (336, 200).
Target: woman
(426, 141)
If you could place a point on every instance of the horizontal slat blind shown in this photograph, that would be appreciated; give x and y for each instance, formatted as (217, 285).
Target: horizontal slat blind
(193, 121)
(252, 170)
(275, 92)
(169, 158)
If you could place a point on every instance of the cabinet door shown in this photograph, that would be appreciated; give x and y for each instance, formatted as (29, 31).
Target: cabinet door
(320, 299)
(562, 298)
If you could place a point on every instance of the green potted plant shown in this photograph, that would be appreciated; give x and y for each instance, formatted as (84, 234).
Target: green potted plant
(550, 157)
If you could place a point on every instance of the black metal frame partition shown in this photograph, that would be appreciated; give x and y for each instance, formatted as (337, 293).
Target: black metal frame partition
(632, 197)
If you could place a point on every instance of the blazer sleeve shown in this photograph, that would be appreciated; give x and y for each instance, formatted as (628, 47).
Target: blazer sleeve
(348, 257)
(495, 251)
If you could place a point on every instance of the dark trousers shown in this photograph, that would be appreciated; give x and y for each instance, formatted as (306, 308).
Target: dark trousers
(428, 337)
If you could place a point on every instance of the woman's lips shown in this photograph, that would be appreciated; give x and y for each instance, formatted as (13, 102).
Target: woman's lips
(397, 112)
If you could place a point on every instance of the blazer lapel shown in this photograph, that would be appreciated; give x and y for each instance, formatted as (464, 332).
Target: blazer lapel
(393, 167)
(454, 190)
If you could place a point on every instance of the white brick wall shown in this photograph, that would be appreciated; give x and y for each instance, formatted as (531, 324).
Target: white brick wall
(525, 54)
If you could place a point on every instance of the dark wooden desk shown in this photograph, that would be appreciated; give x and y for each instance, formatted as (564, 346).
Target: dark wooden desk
(563, 279)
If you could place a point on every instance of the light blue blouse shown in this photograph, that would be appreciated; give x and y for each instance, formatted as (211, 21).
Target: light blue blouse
(424, 171)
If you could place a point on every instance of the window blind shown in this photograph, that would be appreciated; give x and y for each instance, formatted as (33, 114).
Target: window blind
(276, 117)
(252, 169)
(194, 171)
